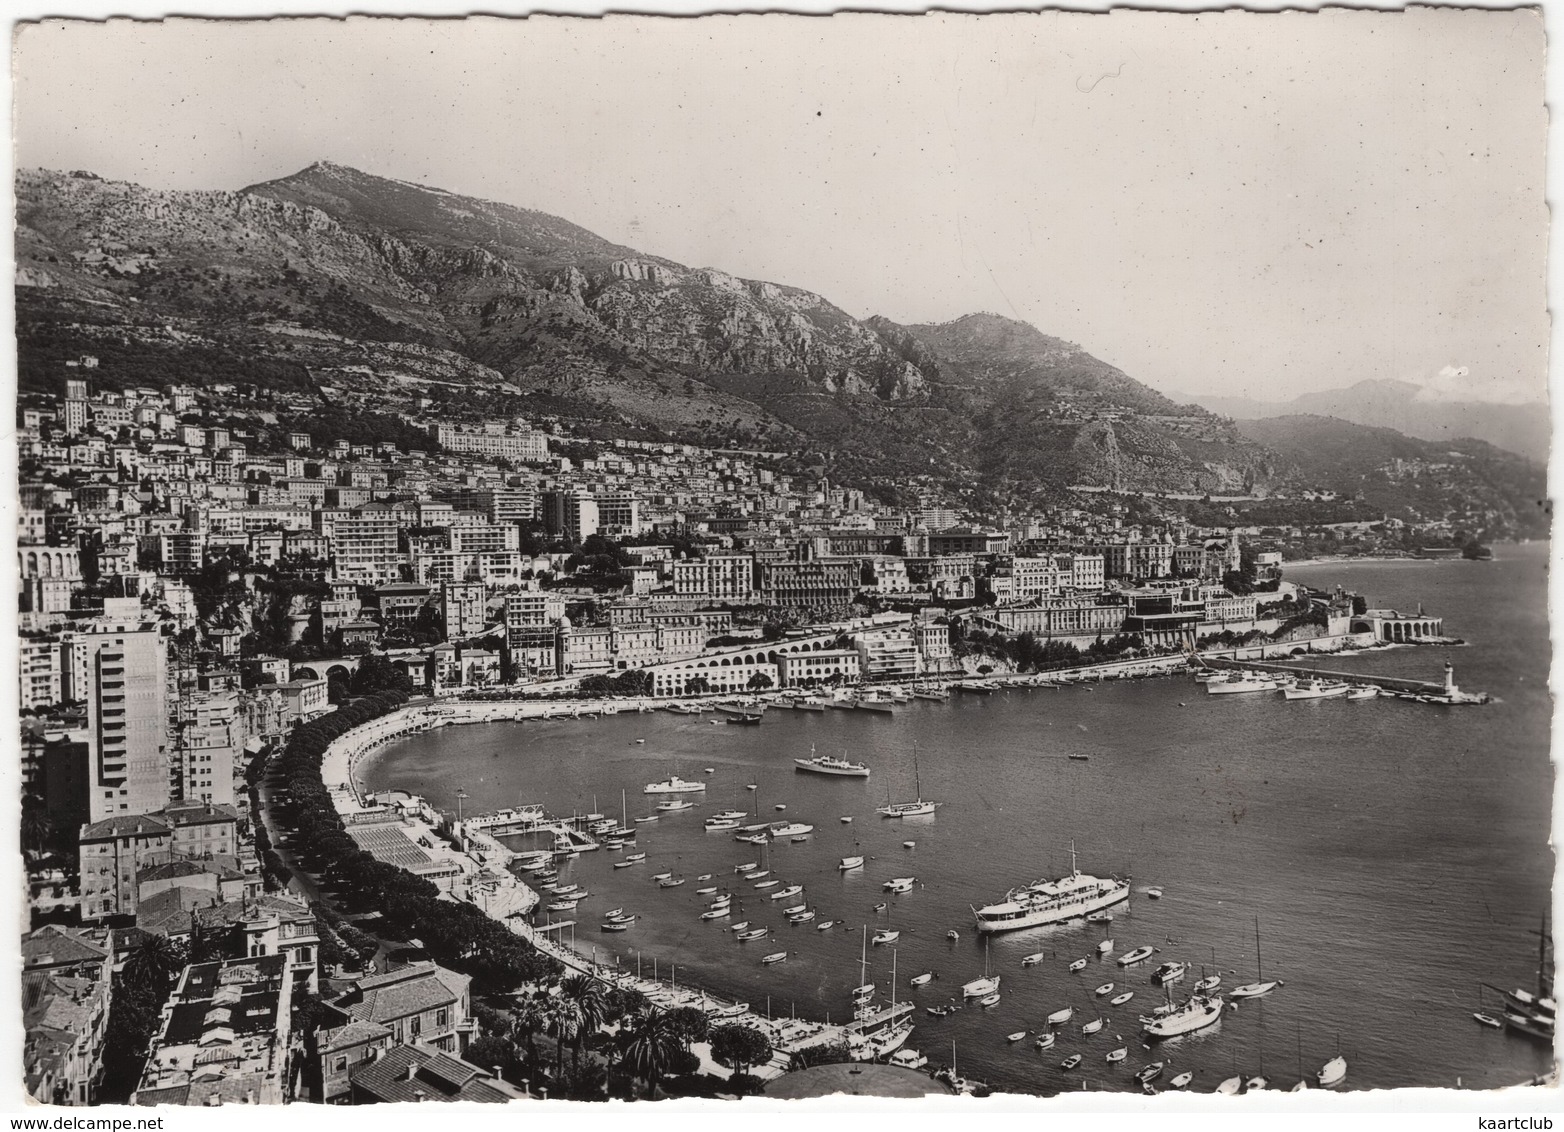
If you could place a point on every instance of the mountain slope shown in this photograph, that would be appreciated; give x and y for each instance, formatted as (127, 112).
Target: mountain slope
(1524, 429)
(367, 290)
(1468, 481)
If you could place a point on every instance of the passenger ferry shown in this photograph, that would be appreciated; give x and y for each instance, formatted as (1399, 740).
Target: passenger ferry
(1052, 901)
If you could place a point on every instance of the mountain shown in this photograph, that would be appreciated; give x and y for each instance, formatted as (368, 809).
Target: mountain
(1524, 429)
(360, 290)
(1467, 482)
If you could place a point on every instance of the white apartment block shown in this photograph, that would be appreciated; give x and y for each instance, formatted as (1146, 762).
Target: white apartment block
(127, 720)
(526, 447)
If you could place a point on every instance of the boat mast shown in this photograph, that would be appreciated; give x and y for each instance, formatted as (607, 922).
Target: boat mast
(1258, 969)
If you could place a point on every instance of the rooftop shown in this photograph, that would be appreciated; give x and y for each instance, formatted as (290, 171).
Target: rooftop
(418, 1073)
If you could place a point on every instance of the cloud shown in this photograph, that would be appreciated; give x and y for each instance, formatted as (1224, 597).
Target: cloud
(1457, 383)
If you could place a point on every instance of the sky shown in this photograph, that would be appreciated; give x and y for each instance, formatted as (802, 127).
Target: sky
(1236, 204)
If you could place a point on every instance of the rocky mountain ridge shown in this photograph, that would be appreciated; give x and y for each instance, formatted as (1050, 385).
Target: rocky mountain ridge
(332, 269)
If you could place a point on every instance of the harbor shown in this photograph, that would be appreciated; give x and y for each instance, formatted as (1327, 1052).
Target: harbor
(1211, 803)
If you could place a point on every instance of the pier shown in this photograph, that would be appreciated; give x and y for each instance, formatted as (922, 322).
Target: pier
(1443, 689)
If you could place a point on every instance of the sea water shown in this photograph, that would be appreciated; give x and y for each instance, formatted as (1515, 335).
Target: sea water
(1394, 854)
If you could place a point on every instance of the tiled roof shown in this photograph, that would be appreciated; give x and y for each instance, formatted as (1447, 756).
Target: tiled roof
(418, 1073)
(122, 826)
(55, 946)
(199, 813)
(172, 911)
(352, 1034)
(401, 993)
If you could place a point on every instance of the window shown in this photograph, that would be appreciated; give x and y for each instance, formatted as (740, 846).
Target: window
(340, 1064)
(442, 1018)
(415, 1024)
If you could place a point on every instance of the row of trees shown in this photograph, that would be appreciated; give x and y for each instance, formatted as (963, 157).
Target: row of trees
(1030, 653)
(456, 935)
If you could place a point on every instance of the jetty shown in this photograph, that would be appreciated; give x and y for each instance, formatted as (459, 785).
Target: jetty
(1442, 690)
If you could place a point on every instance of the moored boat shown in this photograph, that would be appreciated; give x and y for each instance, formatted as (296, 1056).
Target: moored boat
(850, 863)
(1052, 901)
(674, 785)
(1136, 956)
(1332, 1072)
(1195, 1014)
(1235, 683)
(1168, 973)
(825, 764)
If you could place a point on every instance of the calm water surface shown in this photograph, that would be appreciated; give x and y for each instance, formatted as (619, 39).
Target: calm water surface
(1395, 854)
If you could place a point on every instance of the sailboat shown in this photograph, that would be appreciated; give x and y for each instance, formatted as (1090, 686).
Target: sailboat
(987, 985)
(864, 988)
(956, 1081)
(1303, 1082)
(913, 809)
(1256, 989)
(1532, 1014)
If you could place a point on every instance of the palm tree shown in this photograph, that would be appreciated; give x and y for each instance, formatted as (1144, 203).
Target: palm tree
(530, 1017)
(156, 963)
(37, 825)
(648, 1048)
(564, 1023)
(586, 995)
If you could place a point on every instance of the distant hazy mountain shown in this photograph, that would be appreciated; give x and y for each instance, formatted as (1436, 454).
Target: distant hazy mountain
(1394, 404)
(1490, 488)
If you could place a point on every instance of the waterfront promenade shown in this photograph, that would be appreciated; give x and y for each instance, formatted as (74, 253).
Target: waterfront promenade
(502, 896)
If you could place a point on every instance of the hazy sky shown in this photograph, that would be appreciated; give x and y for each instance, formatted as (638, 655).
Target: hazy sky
(1247, 204)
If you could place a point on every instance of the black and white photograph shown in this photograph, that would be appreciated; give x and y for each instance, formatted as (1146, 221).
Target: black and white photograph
(729, 560)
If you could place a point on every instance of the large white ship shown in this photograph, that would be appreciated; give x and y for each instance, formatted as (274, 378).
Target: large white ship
(1052, 901)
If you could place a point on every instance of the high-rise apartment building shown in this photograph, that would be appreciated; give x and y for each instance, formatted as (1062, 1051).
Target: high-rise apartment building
(571, 515)
(127, 720)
